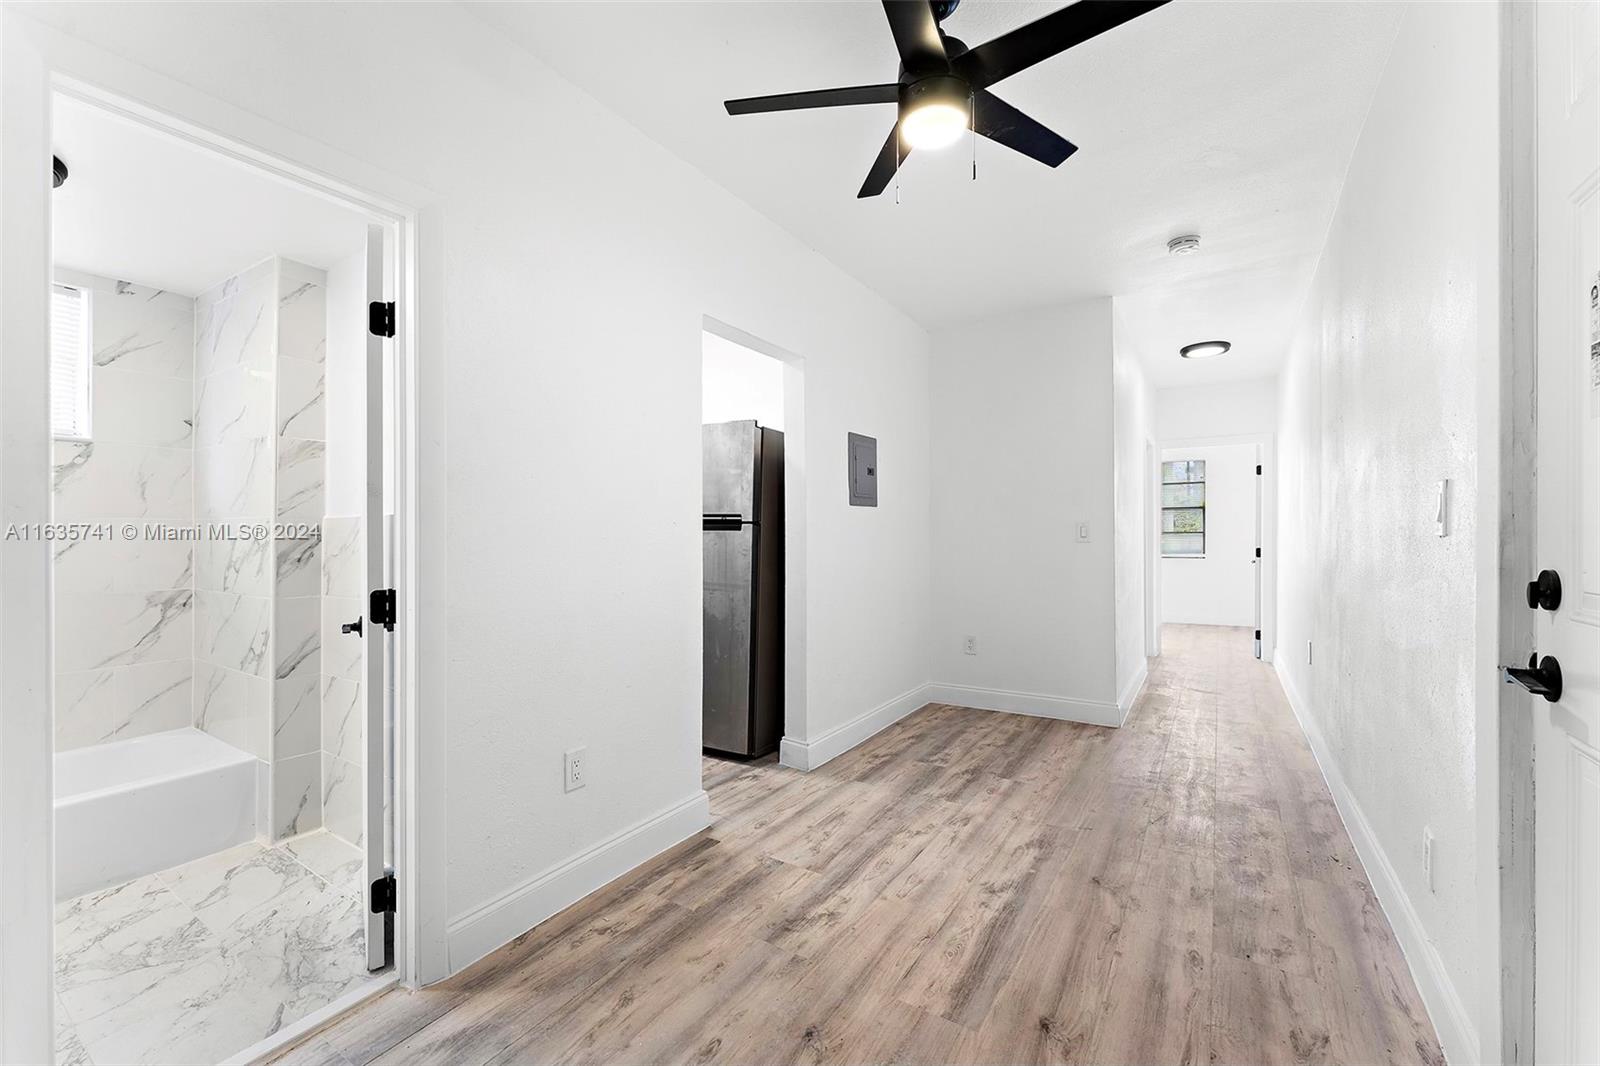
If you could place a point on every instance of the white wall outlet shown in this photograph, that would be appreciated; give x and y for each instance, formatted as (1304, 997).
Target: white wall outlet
(970, 645)
(1427, 857)
(1083, 532)
(1308, 653)
(576, 767)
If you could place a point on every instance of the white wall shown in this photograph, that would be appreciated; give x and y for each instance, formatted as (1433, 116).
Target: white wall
(1379, 401)
(1229, 409)
(1022, 453)
(1220, 588)
(565, 272)
(739, 384)
(1133, 413)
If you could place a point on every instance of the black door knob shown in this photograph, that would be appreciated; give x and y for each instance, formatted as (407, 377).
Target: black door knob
(1545, 591)
(351, 627)
(1542, 677)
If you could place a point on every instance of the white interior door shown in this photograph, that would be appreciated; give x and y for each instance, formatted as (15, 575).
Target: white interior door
(380, 882)
(1567, 732)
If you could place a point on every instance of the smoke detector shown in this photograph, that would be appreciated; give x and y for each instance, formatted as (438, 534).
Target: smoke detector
(1188, 244)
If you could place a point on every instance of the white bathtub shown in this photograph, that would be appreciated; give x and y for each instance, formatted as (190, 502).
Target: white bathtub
(133, 807)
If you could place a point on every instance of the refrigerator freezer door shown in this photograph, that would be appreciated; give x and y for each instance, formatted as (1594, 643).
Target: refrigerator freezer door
(729, 567)
(728, 461)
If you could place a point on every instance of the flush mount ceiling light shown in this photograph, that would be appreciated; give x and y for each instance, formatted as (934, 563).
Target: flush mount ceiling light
(942, 86)
(1188, 244)
(1204, 349)
(58, 172)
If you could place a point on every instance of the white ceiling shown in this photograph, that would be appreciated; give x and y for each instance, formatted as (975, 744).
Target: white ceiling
(144, 207)
(1234, 120)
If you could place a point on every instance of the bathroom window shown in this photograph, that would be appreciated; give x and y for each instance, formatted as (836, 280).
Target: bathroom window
(1183, 509)
(69, 363)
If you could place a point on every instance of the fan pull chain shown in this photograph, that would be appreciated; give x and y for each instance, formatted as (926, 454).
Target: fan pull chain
(899, 161)
(972, 125)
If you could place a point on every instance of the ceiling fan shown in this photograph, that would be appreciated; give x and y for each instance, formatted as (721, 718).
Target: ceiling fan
(943, 88)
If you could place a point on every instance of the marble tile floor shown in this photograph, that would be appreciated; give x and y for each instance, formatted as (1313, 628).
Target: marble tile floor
(197, 963)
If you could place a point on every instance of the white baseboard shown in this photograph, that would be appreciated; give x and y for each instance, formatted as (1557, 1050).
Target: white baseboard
(473, 935)
(1132, 691)
(810, 754)
(1065, 708)
(1446, 1009)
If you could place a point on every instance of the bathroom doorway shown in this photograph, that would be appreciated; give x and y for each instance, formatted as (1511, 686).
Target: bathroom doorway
(752, 525)
(223, 434)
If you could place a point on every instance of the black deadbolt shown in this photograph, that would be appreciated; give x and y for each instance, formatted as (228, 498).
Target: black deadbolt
(1545, 590)
(1542, 678)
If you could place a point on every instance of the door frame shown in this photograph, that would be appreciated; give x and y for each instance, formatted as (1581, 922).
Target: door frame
(1508, 495)
(794, 526)
(40, 63)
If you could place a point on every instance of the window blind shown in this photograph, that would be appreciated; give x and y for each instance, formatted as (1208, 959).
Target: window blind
(69, 363)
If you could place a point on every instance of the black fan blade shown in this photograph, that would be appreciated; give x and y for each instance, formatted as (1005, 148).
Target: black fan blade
(1004, 124)
(883, 168)
(1045, 37)
(854, 94)
(916, 35)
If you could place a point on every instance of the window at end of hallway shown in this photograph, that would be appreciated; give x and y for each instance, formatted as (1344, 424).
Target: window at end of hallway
(69, 363)
(1183, 509)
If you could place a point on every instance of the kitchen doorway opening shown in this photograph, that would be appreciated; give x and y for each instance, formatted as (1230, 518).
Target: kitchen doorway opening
(223, 419)
(753, 548)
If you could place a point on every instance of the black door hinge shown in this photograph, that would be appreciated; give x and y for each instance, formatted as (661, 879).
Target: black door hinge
(383, 892)
(380, 319)
(381, 608)
(1258, 553)
(1258, 634)
(1258, 465)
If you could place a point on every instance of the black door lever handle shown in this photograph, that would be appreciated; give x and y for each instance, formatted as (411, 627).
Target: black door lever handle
(1542, 677)
(352, 627)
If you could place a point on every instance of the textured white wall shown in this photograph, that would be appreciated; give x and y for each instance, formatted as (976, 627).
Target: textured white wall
(1229, 409)
(1379, 401)
(1021, 454)
(1133, 403)
(575, 259)
(1220, 589)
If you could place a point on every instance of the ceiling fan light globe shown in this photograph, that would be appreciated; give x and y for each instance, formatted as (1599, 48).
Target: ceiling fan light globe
(933, 125)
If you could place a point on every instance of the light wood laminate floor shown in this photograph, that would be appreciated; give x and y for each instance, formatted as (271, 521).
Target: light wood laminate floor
(969, 887)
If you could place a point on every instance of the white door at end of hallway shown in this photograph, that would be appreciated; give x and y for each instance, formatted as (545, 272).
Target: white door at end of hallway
(1567, 730)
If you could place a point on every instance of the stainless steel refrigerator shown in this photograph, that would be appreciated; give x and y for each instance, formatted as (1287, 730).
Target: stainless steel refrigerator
(742, 501)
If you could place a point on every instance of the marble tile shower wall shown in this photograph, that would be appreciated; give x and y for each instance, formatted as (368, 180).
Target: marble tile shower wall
(300, 449)
(343, 711)
(260, 440)
(234, 439)
(125, 608)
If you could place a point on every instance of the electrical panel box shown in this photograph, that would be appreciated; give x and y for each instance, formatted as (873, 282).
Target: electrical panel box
(863, 471)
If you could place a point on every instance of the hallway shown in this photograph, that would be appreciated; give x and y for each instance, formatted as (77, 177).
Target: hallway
(969, 886)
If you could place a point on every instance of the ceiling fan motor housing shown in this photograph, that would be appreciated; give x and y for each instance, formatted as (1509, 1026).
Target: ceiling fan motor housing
(934, 89)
